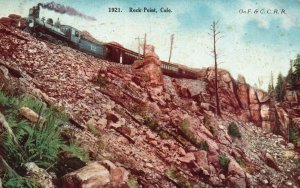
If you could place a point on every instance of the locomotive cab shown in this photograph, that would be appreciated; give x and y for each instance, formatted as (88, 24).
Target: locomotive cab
(34, 13)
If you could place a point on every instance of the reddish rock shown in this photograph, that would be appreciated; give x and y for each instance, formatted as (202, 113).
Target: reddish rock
(283, 118)
(291, 96)
(201, 159)
(187, 158)
(235, 169)
(262, 96)
(270, 161)
(296, 122)
(255, 113)
(243, 92)
(29, 114)
(151, 66)
(252, 96)
(41, 176)
(119, 176)
(92, 175)
(237, 182)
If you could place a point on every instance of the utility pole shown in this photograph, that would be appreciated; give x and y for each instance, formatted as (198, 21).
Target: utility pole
(145, 42)
(171, 47)
(215, 37)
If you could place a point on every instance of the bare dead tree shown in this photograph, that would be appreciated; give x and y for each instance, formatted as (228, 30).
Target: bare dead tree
(215, 35)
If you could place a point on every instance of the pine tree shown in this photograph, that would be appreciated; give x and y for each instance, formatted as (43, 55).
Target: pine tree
(291, 77)
(297, 65)
(279, 92)
(271, 84)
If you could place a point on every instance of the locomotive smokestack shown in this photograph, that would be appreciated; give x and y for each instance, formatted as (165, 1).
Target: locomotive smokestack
(65, 10)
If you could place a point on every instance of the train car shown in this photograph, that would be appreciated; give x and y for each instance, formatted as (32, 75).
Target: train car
(176, 71)
(117, 53)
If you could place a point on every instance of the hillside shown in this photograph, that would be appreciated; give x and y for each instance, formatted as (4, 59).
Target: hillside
(161, 136)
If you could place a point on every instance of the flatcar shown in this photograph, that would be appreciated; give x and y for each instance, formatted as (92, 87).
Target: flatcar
(70, 36)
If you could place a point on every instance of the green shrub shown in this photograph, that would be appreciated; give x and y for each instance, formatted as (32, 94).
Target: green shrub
(186, 130)
(76, 150)
(202, 145)
(171, 172)
(190, 136)
(4, 100)
(224, 161)
(294, 136)
(39, 142)
(132, 181)
(11, 181)
(178, 177)
(233, 130)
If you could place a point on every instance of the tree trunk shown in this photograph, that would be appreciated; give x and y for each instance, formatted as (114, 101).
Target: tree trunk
(218, 111)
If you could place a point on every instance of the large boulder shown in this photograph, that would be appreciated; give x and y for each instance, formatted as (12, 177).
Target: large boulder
(41, 176)
(90, 176)
(151, 66)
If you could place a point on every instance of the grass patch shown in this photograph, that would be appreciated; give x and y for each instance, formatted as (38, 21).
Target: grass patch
(132, 181)
(224, 162)
(190, 136)
(11, 181)
(77, 151)
(233, 130)
(178, 177)
(246, 166)
(39, 142)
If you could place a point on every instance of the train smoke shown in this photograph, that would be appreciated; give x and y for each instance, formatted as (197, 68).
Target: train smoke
(65, 10)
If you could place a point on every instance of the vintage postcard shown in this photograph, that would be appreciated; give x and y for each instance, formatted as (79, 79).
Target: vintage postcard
(132, 93)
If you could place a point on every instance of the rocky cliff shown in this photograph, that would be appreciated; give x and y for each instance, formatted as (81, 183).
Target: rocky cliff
(164, 135)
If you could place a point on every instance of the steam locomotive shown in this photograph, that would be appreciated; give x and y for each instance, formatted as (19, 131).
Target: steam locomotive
(72, 37)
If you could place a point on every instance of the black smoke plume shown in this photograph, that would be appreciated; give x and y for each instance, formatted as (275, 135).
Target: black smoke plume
(65, 10)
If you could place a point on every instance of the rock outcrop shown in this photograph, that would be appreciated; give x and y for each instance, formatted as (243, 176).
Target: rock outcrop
(151, 67)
